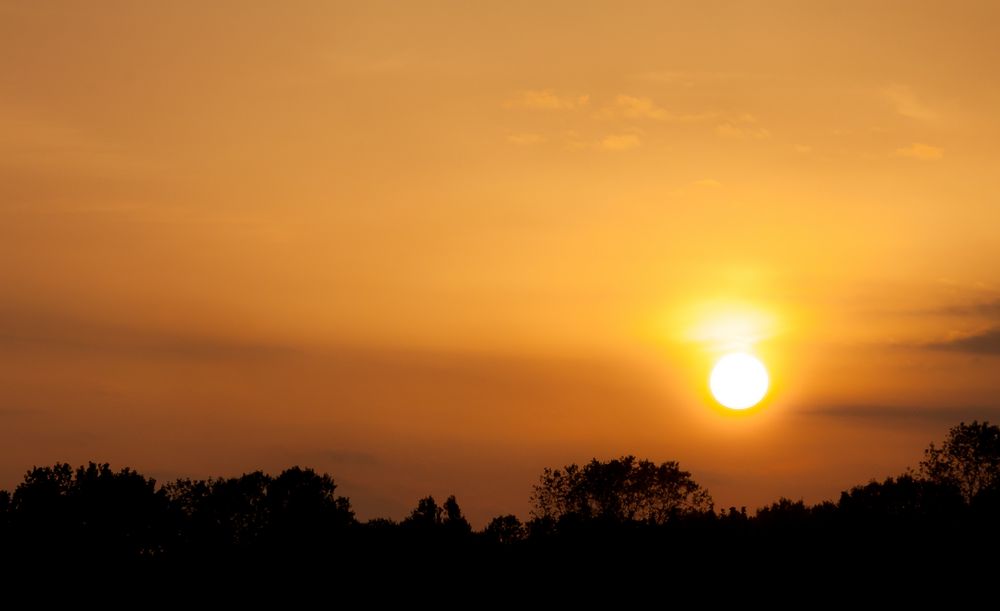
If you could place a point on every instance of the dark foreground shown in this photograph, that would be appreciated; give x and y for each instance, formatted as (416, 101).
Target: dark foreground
(622, 527)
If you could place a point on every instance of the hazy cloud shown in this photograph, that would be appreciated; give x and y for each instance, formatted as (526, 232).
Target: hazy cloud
(921, 151)
(983, 316)
(638, 107)
(741, 132)
(620, 142)
(671, 77)
(983, 342)
(693, 78)
(350, 457)
(906, 103)
(708, 183)
(983, 308)
(19, 412)
(358, 64)
(29, 138)
(24, 329)
(901, 415)
(698, 188)
(547, 99)
(526, 139)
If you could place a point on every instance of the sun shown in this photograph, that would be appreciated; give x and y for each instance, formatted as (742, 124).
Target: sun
(739, 381)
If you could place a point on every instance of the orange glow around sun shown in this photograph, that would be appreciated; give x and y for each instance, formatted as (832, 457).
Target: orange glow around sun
(728, 342)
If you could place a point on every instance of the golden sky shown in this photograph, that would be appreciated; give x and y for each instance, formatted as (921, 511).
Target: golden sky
(433, 247)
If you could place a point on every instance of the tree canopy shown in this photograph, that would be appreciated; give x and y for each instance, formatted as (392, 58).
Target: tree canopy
(623, 489)
(969, 459)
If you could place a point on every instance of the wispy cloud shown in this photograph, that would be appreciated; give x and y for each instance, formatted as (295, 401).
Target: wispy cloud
(707, 183)
(351, 457)
(918, 150)
(620, 142)
(741, 132)
(979, 308)
(526, 139)
(20, 412)
(694, 78)
(698, 188)
(30, 138)
(975, 327)
(546, 99)
(640, 107)
(25, 329)
(374, 65)
(981, 342)
(669, 77)
(901, 415)
(905, 103)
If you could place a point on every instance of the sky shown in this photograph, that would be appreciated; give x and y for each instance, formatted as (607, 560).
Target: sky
(435, 247)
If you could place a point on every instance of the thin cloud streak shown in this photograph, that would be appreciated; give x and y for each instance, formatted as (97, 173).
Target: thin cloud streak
(985, 343)
(886, 415)
(25, 330)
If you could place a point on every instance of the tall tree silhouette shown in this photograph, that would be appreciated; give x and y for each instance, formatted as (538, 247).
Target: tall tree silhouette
(427, 514)
(454, 521)
(969, 459)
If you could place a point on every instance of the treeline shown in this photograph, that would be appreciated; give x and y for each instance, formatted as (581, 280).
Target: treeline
(96, 512)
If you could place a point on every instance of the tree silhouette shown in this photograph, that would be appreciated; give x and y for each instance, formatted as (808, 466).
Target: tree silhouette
(303, 510)
(784, 513)
(222, 513)
(298, 509)
(447, 520)
(620, 490)
(969, 459)
(454, 521)
(505, 530)
(57, 509)
(904, 500)
(426, 514)
(618, 508)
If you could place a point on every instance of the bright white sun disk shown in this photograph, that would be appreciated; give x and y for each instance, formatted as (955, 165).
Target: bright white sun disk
(739, 381)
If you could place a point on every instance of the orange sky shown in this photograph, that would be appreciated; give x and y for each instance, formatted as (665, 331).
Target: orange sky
(435, 247)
